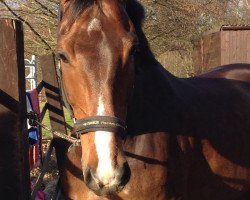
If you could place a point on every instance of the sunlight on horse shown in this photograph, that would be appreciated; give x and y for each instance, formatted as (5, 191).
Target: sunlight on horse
(144, 133)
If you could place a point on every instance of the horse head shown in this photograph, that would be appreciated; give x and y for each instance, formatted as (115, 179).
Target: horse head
(96, 45)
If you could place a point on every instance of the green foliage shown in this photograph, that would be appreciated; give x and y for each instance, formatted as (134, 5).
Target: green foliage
(46, 121)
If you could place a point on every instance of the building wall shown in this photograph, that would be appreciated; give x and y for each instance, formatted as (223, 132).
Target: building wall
(221, 48)
(235, 47)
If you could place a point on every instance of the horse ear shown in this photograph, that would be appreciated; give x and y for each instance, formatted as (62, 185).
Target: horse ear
(64, 4)
(64, 1)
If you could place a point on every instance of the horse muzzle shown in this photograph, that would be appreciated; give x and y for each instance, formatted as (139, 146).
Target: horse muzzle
(102, 186)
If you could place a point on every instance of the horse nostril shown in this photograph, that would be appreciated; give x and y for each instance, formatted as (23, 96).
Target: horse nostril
(111, 185)
(125, 174)
(87, 175)
(101, 185)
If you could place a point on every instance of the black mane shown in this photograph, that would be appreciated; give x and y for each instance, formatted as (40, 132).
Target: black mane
(77, 7)
(136, 13)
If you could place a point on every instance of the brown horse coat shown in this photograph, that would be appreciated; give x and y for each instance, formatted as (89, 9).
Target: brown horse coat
(186, 139)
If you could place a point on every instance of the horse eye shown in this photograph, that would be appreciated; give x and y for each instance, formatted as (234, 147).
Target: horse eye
(134, 50)
(61, 56)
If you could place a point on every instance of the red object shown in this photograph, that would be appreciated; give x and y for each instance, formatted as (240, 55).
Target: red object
(40, 195)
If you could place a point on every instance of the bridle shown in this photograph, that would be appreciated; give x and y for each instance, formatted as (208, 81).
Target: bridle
(92, 123)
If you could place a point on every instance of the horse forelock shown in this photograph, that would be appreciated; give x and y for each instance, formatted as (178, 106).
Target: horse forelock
(134, 9)
(77, 7)
(136, 14)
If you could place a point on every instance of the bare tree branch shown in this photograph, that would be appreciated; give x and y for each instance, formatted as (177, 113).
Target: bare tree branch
(28, 25)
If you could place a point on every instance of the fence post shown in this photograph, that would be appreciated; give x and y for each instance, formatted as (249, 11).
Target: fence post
(55, 107)
(14, 165)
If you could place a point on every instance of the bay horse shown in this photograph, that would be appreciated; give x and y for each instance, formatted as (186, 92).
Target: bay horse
(146, 134)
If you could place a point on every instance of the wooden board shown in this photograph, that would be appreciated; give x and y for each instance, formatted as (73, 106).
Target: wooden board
(235, 47)
(14, 165)
(55, 107)
(221, 48)
(211, 51)
(207, 53)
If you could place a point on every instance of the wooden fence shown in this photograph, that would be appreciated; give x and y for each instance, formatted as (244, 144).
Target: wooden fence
(56, 114)
(14, 164)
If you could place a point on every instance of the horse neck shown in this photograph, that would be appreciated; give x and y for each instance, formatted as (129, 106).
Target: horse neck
(155, 101)
(159, 84)
(152, 115)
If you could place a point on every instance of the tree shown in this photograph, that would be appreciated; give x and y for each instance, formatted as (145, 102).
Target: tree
(174, 24)
(40, 22)
(171, 25)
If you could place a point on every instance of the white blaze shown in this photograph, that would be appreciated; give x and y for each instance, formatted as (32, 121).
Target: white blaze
(94, 25)
(105, 171)
(100, 110)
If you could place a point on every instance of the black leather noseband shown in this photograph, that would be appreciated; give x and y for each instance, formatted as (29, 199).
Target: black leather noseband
(101, 123)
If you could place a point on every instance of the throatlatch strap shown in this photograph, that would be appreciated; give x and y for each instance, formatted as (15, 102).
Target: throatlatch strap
(100, 123)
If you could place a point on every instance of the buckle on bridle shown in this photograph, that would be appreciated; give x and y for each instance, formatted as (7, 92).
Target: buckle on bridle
(33, 118)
